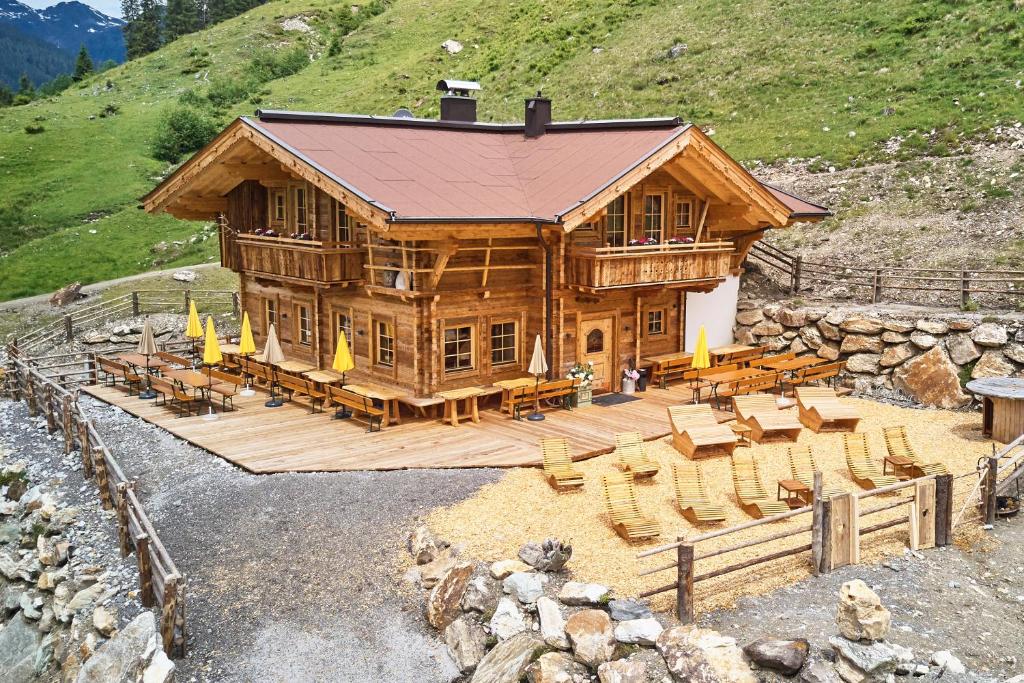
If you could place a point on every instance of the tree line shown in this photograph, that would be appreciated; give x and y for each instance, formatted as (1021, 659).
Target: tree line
(150, 24)
(27, 92)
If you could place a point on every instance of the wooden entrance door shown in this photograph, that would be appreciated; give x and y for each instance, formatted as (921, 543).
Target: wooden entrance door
(597, 345)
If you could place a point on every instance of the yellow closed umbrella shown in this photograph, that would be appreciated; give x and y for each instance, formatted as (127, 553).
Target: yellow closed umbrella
(342, 363)
(194, 328)
(701, 357)
(211, 357)
(246, 348)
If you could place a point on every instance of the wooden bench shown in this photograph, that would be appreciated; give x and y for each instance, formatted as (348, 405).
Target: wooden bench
(174, 359)
(827, 372)
(293, 386)
(226, 385)
(742, 358)
(674, 368)
(179, 396)
(766, 383)
(111, 370)
(349, 400)
(548, 390)
(777, 358)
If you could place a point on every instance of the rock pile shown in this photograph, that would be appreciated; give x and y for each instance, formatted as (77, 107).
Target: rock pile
(890, 353)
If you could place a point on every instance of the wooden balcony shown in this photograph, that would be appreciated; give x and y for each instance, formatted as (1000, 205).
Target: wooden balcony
(601, 268)
(300, 261)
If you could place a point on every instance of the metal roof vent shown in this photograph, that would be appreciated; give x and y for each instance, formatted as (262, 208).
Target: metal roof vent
(403, 113)
(457, 104)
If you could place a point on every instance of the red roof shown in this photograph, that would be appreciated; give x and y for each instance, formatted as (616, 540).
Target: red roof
(798, 207)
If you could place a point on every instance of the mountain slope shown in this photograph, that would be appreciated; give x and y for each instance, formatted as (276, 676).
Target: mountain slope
(67, 26)
(25, 54)
(832, 79)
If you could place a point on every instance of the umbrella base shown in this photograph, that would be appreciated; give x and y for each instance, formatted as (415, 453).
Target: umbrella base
(274, 403)
(343, 415)
(247, 392)
(147, 394)
(211, 416)
(535, 417)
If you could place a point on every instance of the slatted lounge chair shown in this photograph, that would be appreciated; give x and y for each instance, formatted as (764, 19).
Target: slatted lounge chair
(619, 493)
(697, 434)
(632, 455)
(558, 467)
(863, 469)
(822, 411)
(802, 466)
(898, 444)
(761, 413)
(691, 496)
(750, 490)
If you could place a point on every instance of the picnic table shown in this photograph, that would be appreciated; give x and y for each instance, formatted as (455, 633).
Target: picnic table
(387, 396)
(728, 349)
(296, 367)
(321, 378)
(197, 380)
(663, 357)
(713, 379)
(508, 386)
(139, 361)
(793, 364)
(230, 348)
(451, 404)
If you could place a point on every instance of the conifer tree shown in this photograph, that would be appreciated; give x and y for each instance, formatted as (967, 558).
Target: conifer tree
(83, 65)
(25, 86)
(182, 18)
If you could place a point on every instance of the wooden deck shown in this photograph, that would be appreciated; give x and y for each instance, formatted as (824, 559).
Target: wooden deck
(290, 439)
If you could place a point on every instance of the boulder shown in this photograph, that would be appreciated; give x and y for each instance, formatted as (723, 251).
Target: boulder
(20, 641)
(791, 318)
(767, 328)
(591, 635)
(785, 656)
(104, 622)
(932, 326)
(443, 604)
(923, 340)
(898, 325)
(502, 568)
(743, 335)
(507, 620)
(811, 336)
(749, 317)
(772, 309)
(160, 669)
(467, 642)
(123, 658)
(862, 325)
(861, 343)
(863, 362)
(549, 556)
(989, 334)
(828, 351)
(857, 662)
(776, 343)
(423, 546)
(962, 324)
(481, 595)
(84, 598)
(585, 594)
(184, 275)
(508, 660)
(557, 667)
(452, 47)
(948, 662)
(992, 364)
(828, 330)
(894, 337)
(432, 572)
(525, 586)
(638, 631)
(697, 655)
(622, 671)
(896, 355)
(819, 672)
(1014, 352)
(860, 614)
(932, 380)
(962, 349)
(625, 610)
(66, 294)
(552, 623)
(797, 346)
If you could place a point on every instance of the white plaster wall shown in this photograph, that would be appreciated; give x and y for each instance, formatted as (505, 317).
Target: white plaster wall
(715, 310)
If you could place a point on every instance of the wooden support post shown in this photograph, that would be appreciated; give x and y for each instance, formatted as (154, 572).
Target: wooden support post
(188, 300)
(121, 508)
(817, 513)
(684, 583)
(876, 286)
(51, 418)
(146, 596)
(825, 561)
(943, 510)
(965, 288)
(65, 415)
(30, 395)
(135, 304)
(83, 438)
(102, 480)
(69, 328)
(94, 367)
(794, 284)
(990, 490)
(236, 306)
(168, 614)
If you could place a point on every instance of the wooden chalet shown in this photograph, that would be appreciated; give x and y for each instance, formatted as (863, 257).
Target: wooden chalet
(442, 247)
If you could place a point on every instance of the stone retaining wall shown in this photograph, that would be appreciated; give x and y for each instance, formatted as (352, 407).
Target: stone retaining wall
(894, 352)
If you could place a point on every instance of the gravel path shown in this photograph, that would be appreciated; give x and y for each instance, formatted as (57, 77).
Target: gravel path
(292, 577)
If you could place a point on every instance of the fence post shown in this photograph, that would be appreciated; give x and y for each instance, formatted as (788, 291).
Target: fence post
(817, 513)
(990, 490)
(684, 583)
(235, 305)
(69, 437)
(876, 286)
(30, 395)
(965, 288)
(51, 419)
(943, 510)
(188, 298)
(83, 437)
(145, 570)
(94, 367)
(794, 285)
(122, 517)
(102, 481)
(825, 551)
(69, 328)
(135, 304)
(168, 613)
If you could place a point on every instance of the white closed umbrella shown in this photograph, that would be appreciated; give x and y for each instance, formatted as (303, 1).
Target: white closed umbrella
(272, 354)
(147, 347)
(538, 367)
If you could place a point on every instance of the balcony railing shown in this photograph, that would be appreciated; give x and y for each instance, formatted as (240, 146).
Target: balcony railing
(300, 260)
(595, 268)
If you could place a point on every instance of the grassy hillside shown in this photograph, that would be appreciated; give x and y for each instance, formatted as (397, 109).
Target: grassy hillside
(806, 78)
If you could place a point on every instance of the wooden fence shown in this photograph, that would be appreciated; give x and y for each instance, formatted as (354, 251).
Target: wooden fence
(132, 304)
(832, 536)
(161, 584)
(961, 287)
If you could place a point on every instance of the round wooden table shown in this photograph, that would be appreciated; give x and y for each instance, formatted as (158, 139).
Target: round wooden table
(1002, 406)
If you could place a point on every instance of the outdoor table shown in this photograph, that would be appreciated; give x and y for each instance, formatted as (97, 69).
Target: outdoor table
(720, 351)
(389, 397)
(1002, 406)
(198, 380)
(661, 358)
(742, 433)
(139, 361)
(793, 363)
(901, 466)
(451, 404)
(508, 386)
(795, 494)
(230, 348)
(295, 367)
(322, 377)
(713, 379)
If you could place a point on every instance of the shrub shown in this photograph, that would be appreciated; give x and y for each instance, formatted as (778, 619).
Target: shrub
(34, 129)
(182, 130)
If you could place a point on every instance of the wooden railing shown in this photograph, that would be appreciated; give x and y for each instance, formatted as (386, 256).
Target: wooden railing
(832, 536)
(594, 268)
(963, 287)
(161, 584)
(300, 260)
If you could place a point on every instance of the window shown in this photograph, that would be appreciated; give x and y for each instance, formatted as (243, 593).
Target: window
(683, 214)
(503, 343)
(269, 314)
(277, 206)
(595, 341)
(615, 229)
(655, 322)
(652, 216)
(305, 328)
(301, 222)
(458, 348)
(343, 323)
(344, 223)
(385, 344)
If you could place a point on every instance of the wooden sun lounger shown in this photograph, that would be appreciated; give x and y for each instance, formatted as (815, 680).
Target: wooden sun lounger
(620, 502)
(761, 413)
(750, 490)
(802, 466)
(691, 495)
(822, 411)
(558, 467)
(863, 469)
(697, 434)
(632, 455)
(898, 444)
